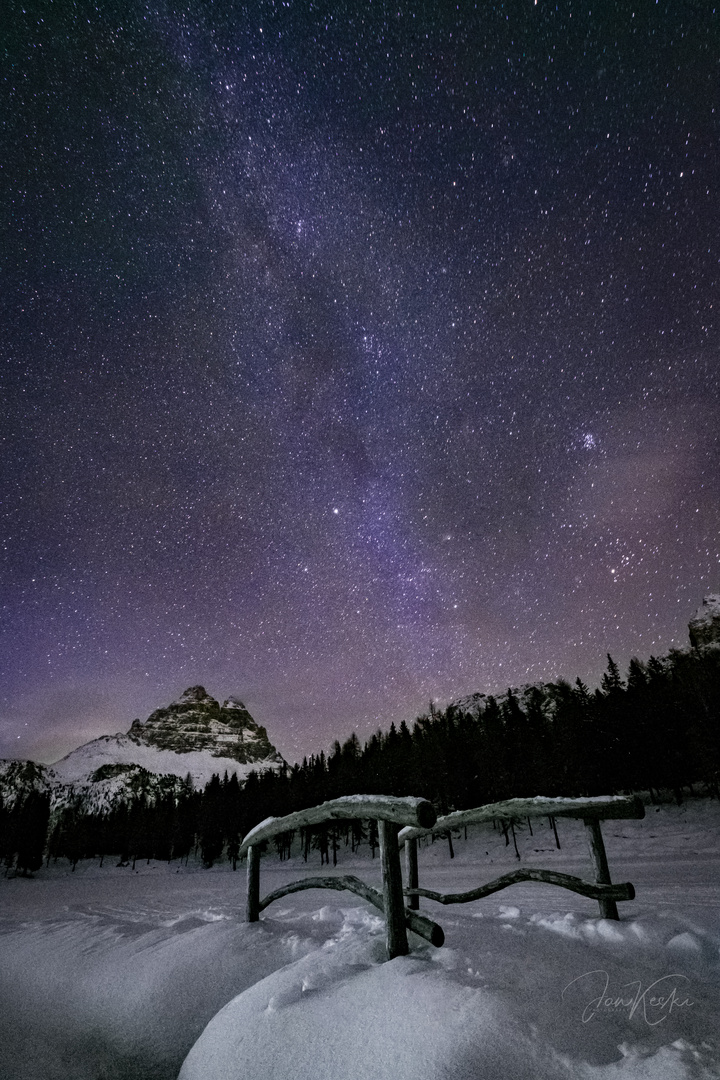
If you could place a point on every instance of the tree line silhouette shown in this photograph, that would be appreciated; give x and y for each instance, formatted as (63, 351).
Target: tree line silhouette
(657, 730)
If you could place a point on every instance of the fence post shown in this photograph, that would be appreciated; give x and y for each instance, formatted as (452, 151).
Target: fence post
(608, 908)
(395, 932)
(252, 904)
(411, 871)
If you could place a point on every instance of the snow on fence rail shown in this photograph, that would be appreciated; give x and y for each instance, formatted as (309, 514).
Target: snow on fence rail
(390, 813)
(592, 811)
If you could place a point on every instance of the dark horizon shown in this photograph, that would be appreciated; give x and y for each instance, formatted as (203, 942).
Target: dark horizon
(498, 693)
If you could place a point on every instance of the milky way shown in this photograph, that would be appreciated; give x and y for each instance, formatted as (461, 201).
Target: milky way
(353, 355)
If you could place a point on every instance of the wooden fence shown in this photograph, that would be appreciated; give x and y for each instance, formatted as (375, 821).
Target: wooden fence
(391, 814)
(404, 821)
(590, 811)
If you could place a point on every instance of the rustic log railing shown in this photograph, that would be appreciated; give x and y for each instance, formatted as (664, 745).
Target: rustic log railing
(591, 811)
(390, 813)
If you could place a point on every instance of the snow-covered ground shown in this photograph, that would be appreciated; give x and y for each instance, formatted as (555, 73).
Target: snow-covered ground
(108, 974)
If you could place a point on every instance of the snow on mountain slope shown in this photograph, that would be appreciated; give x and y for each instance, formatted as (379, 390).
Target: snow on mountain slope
(22, 777)
(122, 749)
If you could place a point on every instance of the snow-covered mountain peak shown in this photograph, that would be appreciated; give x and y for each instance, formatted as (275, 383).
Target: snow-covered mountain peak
(233, 703)
(195, 694)
(192, 736)
(196, 722)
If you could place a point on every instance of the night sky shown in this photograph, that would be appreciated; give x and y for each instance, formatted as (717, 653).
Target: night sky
(353, 355)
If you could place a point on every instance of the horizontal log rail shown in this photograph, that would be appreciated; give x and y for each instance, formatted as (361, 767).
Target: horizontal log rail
(591, 811)
(419, 924)
(599, 808)
(549, 877)
(409, 811)
(418, 818)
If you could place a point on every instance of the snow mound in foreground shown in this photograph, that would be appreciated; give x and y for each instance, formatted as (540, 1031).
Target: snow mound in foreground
(108, 974)
(341, 1011)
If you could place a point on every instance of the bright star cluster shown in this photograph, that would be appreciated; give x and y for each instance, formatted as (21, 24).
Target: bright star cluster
(353, 355)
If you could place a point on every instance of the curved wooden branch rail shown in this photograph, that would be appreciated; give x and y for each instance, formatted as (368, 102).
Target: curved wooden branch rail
(548, 877)
(418, 813)
(419, 818)
(419, 924)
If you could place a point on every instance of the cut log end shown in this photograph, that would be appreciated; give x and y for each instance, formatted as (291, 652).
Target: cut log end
(426, 815)
(437, 936)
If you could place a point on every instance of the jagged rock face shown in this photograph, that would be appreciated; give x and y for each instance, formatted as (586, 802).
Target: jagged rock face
(194, 736)
(471, 704)
(197, 722)
(704, 627)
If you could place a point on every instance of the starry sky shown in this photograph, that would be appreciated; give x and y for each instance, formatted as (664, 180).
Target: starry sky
(354, 354)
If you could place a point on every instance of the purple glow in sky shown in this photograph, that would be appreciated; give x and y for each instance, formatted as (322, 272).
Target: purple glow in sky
(352, 356)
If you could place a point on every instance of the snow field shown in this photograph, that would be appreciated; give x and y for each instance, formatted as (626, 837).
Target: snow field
(484, 1008)
(110, 975)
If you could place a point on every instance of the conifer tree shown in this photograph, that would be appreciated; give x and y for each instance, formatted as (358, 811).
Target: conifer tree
(611, 682)
(210, 828)
(33, 816)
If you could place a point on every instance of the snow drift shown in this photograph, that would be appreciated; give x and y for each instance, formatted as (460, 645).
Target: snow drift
(106, 973)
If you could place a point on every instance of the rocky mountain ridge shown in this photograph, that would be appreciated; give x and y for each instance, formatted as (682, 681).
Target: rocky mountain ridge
(196, 722)
(192, 737)
(195, 736)
(704, 627)
(703, 632)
